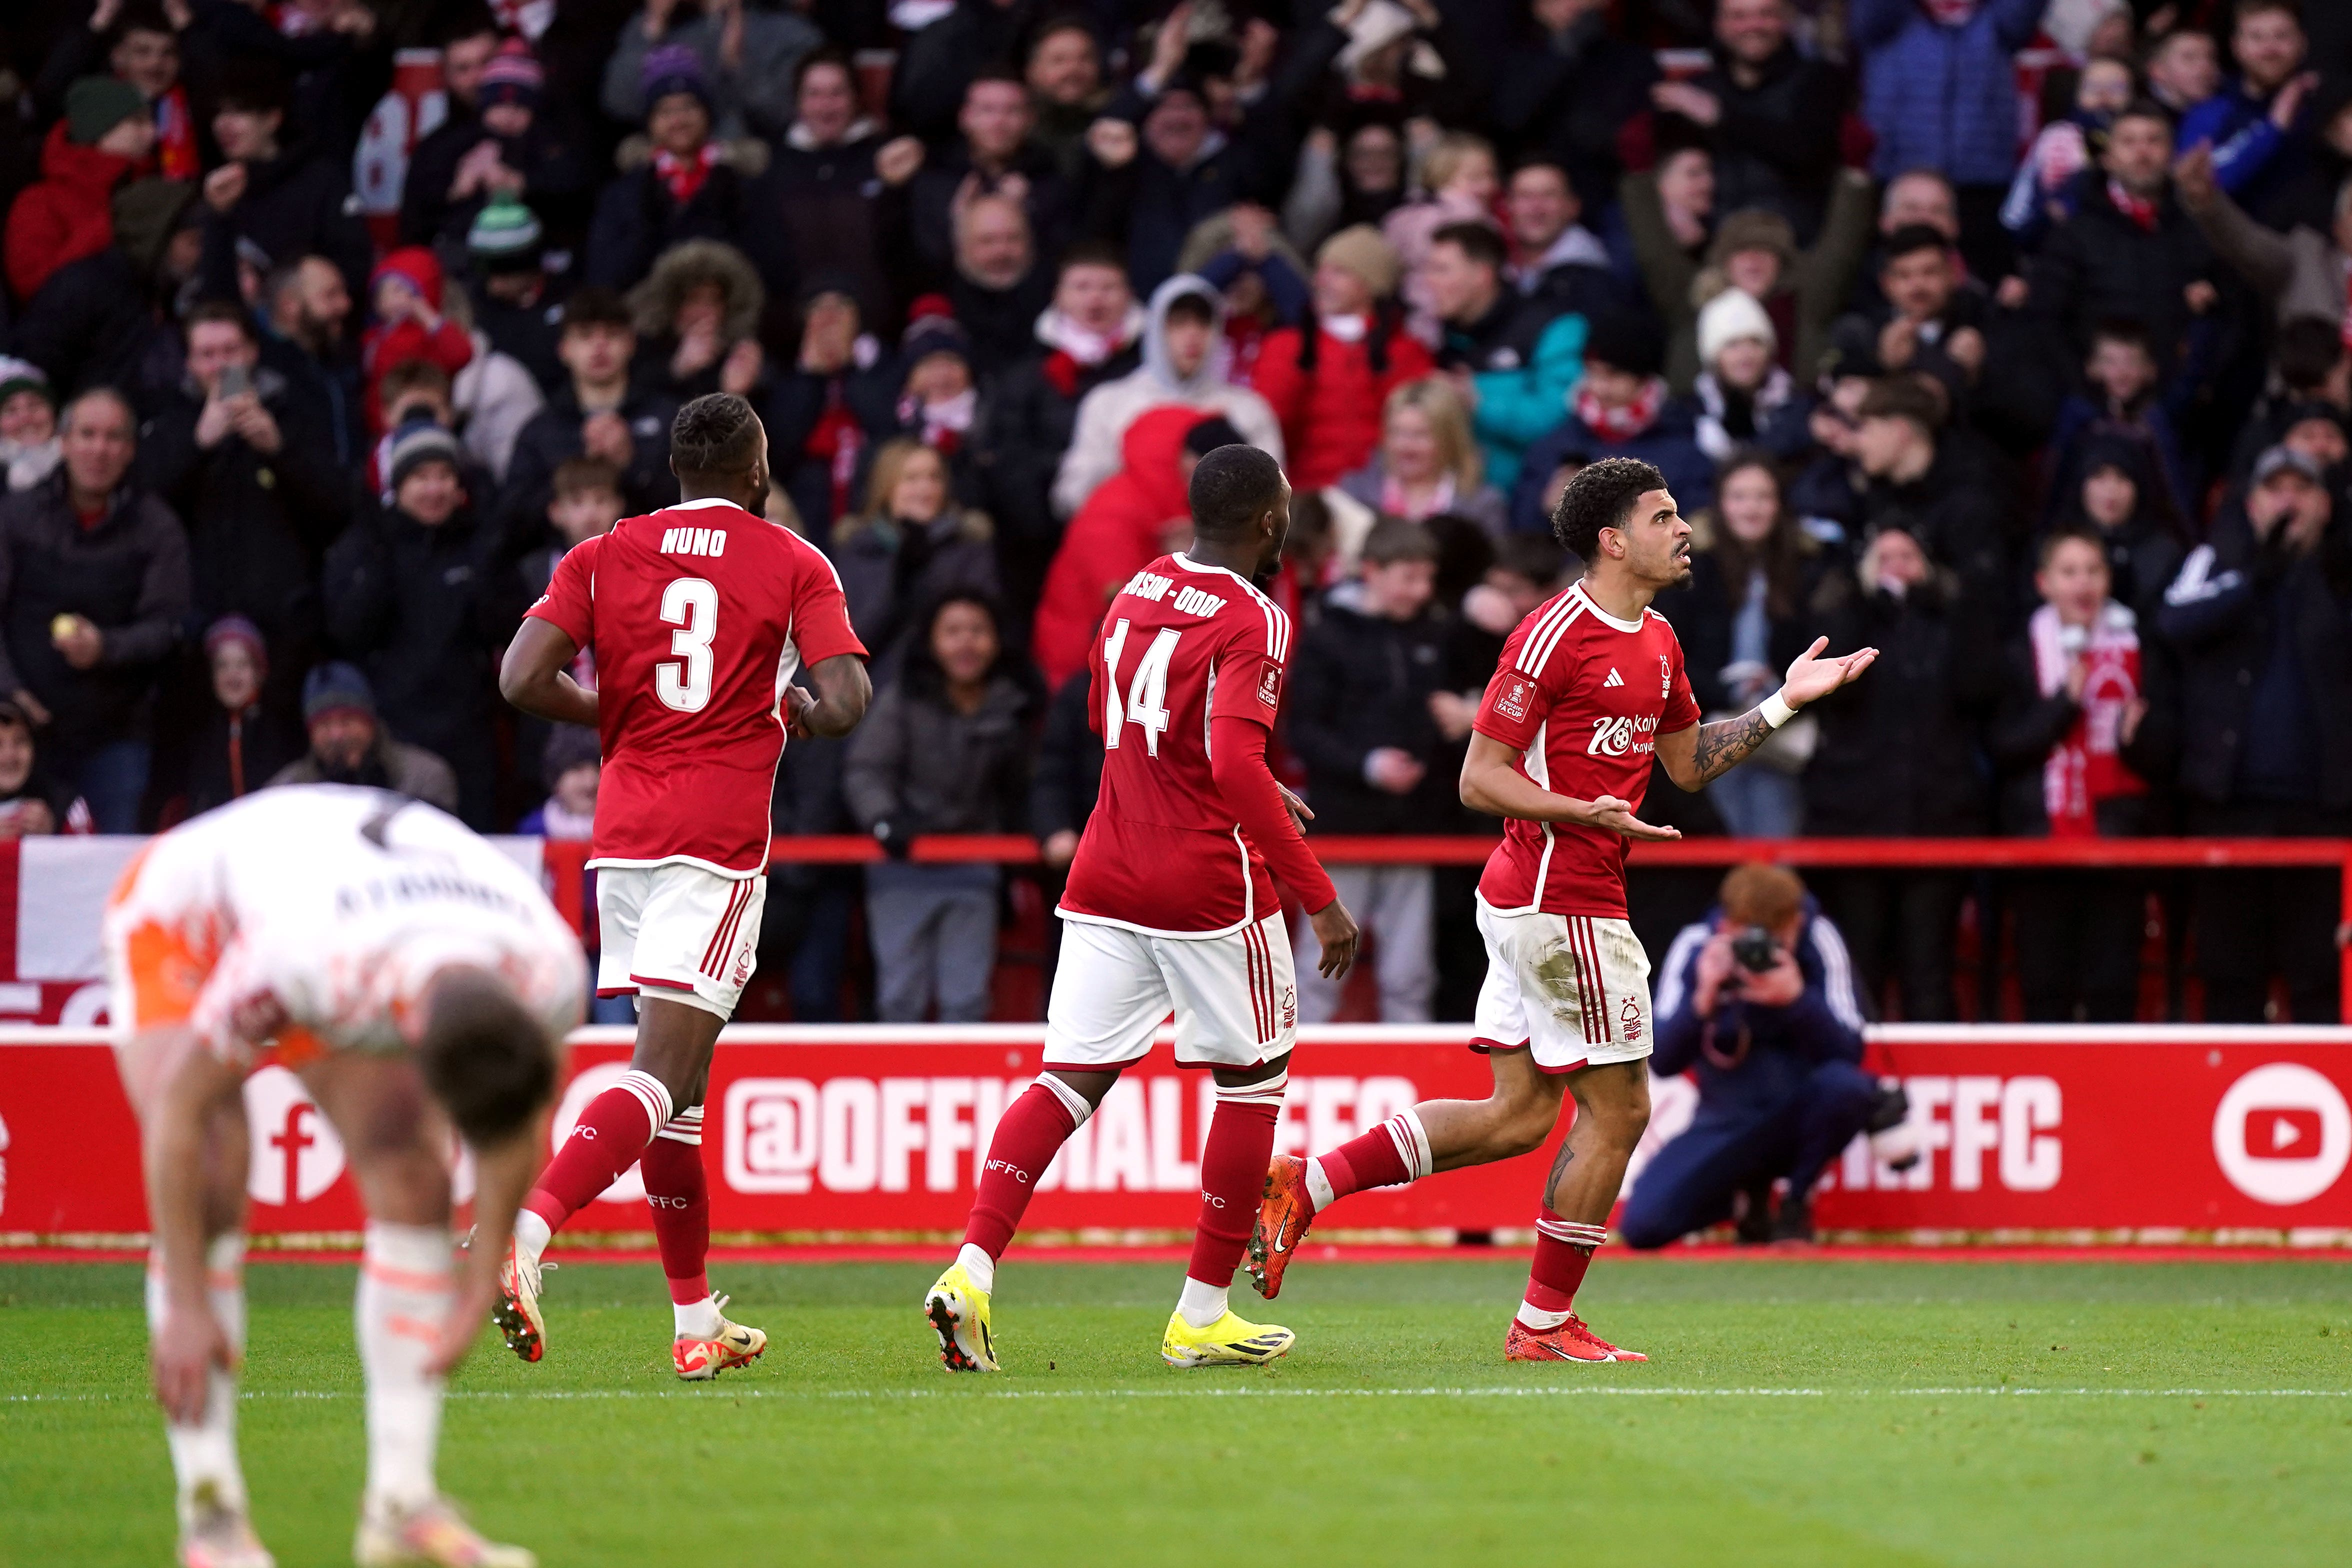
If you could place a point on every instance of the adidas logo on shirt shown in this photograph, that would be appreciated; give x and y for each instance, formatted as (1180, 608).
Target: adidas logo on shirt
(1614, 678)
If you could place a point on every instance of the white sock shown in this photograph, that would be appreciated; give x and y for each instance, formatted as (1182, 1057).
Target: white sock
(979, 1265)
(1537, 1318)
(1318, 1185)
(406, 1288)
(696, 1319)
(1201, 1305)
(531, 1233)
(204, 1456)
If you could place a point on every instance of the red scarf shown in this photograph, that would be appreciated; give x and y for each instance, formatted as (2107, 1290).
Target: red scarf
(838, 439)
(1949, 13)
(176, 157)
(2139, 210)
(1618, 425)
(684, 176)
(2085, 767)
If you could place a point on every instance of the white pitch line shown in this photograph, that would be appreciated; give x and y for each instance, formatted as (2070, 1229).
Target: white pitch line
(1576, 1392)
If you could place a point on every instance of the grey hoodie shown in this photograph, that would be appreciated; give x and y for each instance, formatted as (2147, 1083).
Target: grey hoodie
(1105, 413)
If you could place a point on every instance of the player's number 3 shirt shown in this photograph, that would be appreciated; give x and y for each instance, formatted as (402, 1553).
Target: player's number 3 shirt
(1582, 696)
(699, 615)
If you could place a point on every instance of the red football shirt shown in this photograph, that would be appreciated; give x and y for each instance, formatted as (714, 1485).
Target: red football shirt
(697, 616)
(1582, 697)
(1180, 645)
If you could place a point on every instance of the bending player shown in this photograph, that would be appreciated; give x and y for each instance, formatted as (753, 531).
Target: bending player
(407, 971)
(1589, 688)
(1169, 905)
(698, 616)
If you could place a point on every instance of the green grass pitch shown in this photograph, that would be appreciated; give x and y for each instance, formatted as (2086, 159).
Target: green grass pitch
(1794, 1412)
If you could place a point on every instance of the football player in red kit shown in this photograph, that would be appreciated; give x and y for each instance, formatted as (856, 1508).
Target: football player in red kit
(1589, 691)
(1170, 905)
(698, 617)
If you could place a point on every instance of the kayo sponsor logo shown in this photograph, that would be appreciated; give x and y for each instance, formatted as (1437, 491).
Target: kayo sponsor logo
(1975, 1133)
(1615, 737)
(896, 1135)
(2281, 1133)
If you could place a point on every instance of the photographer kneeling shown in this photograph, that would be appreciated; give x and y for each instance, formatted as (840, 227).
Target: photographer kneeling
(1760, 998)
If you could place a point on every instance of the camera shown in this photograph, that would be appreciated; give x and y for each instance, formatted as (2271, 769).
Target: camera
(1754, 949)
(1893, 1141)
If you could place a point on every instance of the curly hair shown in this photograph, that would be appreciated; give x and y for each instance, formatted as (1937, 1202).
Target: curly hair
(1600, 496)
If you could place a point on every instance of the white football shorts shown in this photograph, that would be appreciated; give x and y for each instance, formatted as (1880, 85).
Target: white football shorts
(1574, 989)
(1235, 996)
(677, 932)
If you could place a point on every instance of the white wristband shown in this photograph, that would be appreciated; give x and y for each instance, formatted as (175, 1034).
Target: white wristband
(1776, 710)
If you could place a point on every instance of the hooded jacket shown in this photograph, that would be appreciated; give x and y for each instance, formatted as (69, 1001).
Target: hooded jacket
(1106, 413)
(64, 217)
(655, 304)
(1116, 534)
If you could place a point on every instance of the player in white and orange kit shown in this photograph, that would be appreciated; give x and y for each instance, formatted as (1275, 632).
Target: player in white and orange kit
(415, 979)
(1589, 692)
(698, 617)
(1170, 905)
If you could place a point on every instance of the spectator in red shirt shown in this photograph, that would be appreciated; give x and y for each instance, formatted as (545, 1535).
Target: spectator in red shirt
(1328, 378)
(406, 289)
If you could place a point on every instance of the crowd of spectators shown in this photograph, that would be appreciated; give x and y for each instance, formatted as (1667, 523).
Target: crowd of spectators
(2008, 336)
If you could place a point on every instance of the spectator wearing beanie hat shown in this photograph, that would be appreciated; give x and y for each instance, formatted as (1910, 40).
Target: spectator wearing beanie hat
(570, 768)
(507, 149)
(514, 304)
(243, 742)
(28, 426)
(748, 76)
(1744, 398)
(411, 597)
(66, 216)
(937, 392)
(1621, 409)
(348, 744)
(1801, 290)
(1328, 378)
(405, 291)
(678, 183)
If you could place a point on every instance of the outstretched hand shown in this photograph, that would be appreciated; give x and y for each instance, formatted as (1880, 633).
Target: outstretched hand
(1614, 816)
(1812, 678)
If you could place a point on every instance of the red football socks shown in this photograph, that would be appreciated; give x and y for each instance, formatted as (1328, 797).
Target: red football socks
(1563, 1252)
(1031, 1132)
(1233, 1178)
(1390, 1154)
(679, 1194)
(608, 1139)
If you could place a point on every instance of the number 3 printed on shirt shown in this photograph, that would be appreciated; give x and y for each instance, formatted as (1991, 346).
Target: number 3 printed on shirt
(1147, 696)
(691, 604)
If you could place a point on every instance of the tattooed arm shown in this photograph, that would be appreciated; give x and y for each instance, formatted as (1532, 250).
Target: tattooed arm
(1698, 755)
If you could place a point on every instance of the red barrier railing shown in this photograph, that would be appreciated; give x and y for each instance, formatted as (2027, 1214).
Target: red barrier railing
(564, 861)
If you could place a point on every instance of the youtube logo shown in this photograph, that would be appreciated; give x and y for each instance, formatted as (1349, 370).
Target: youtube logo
(2283, 1133)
